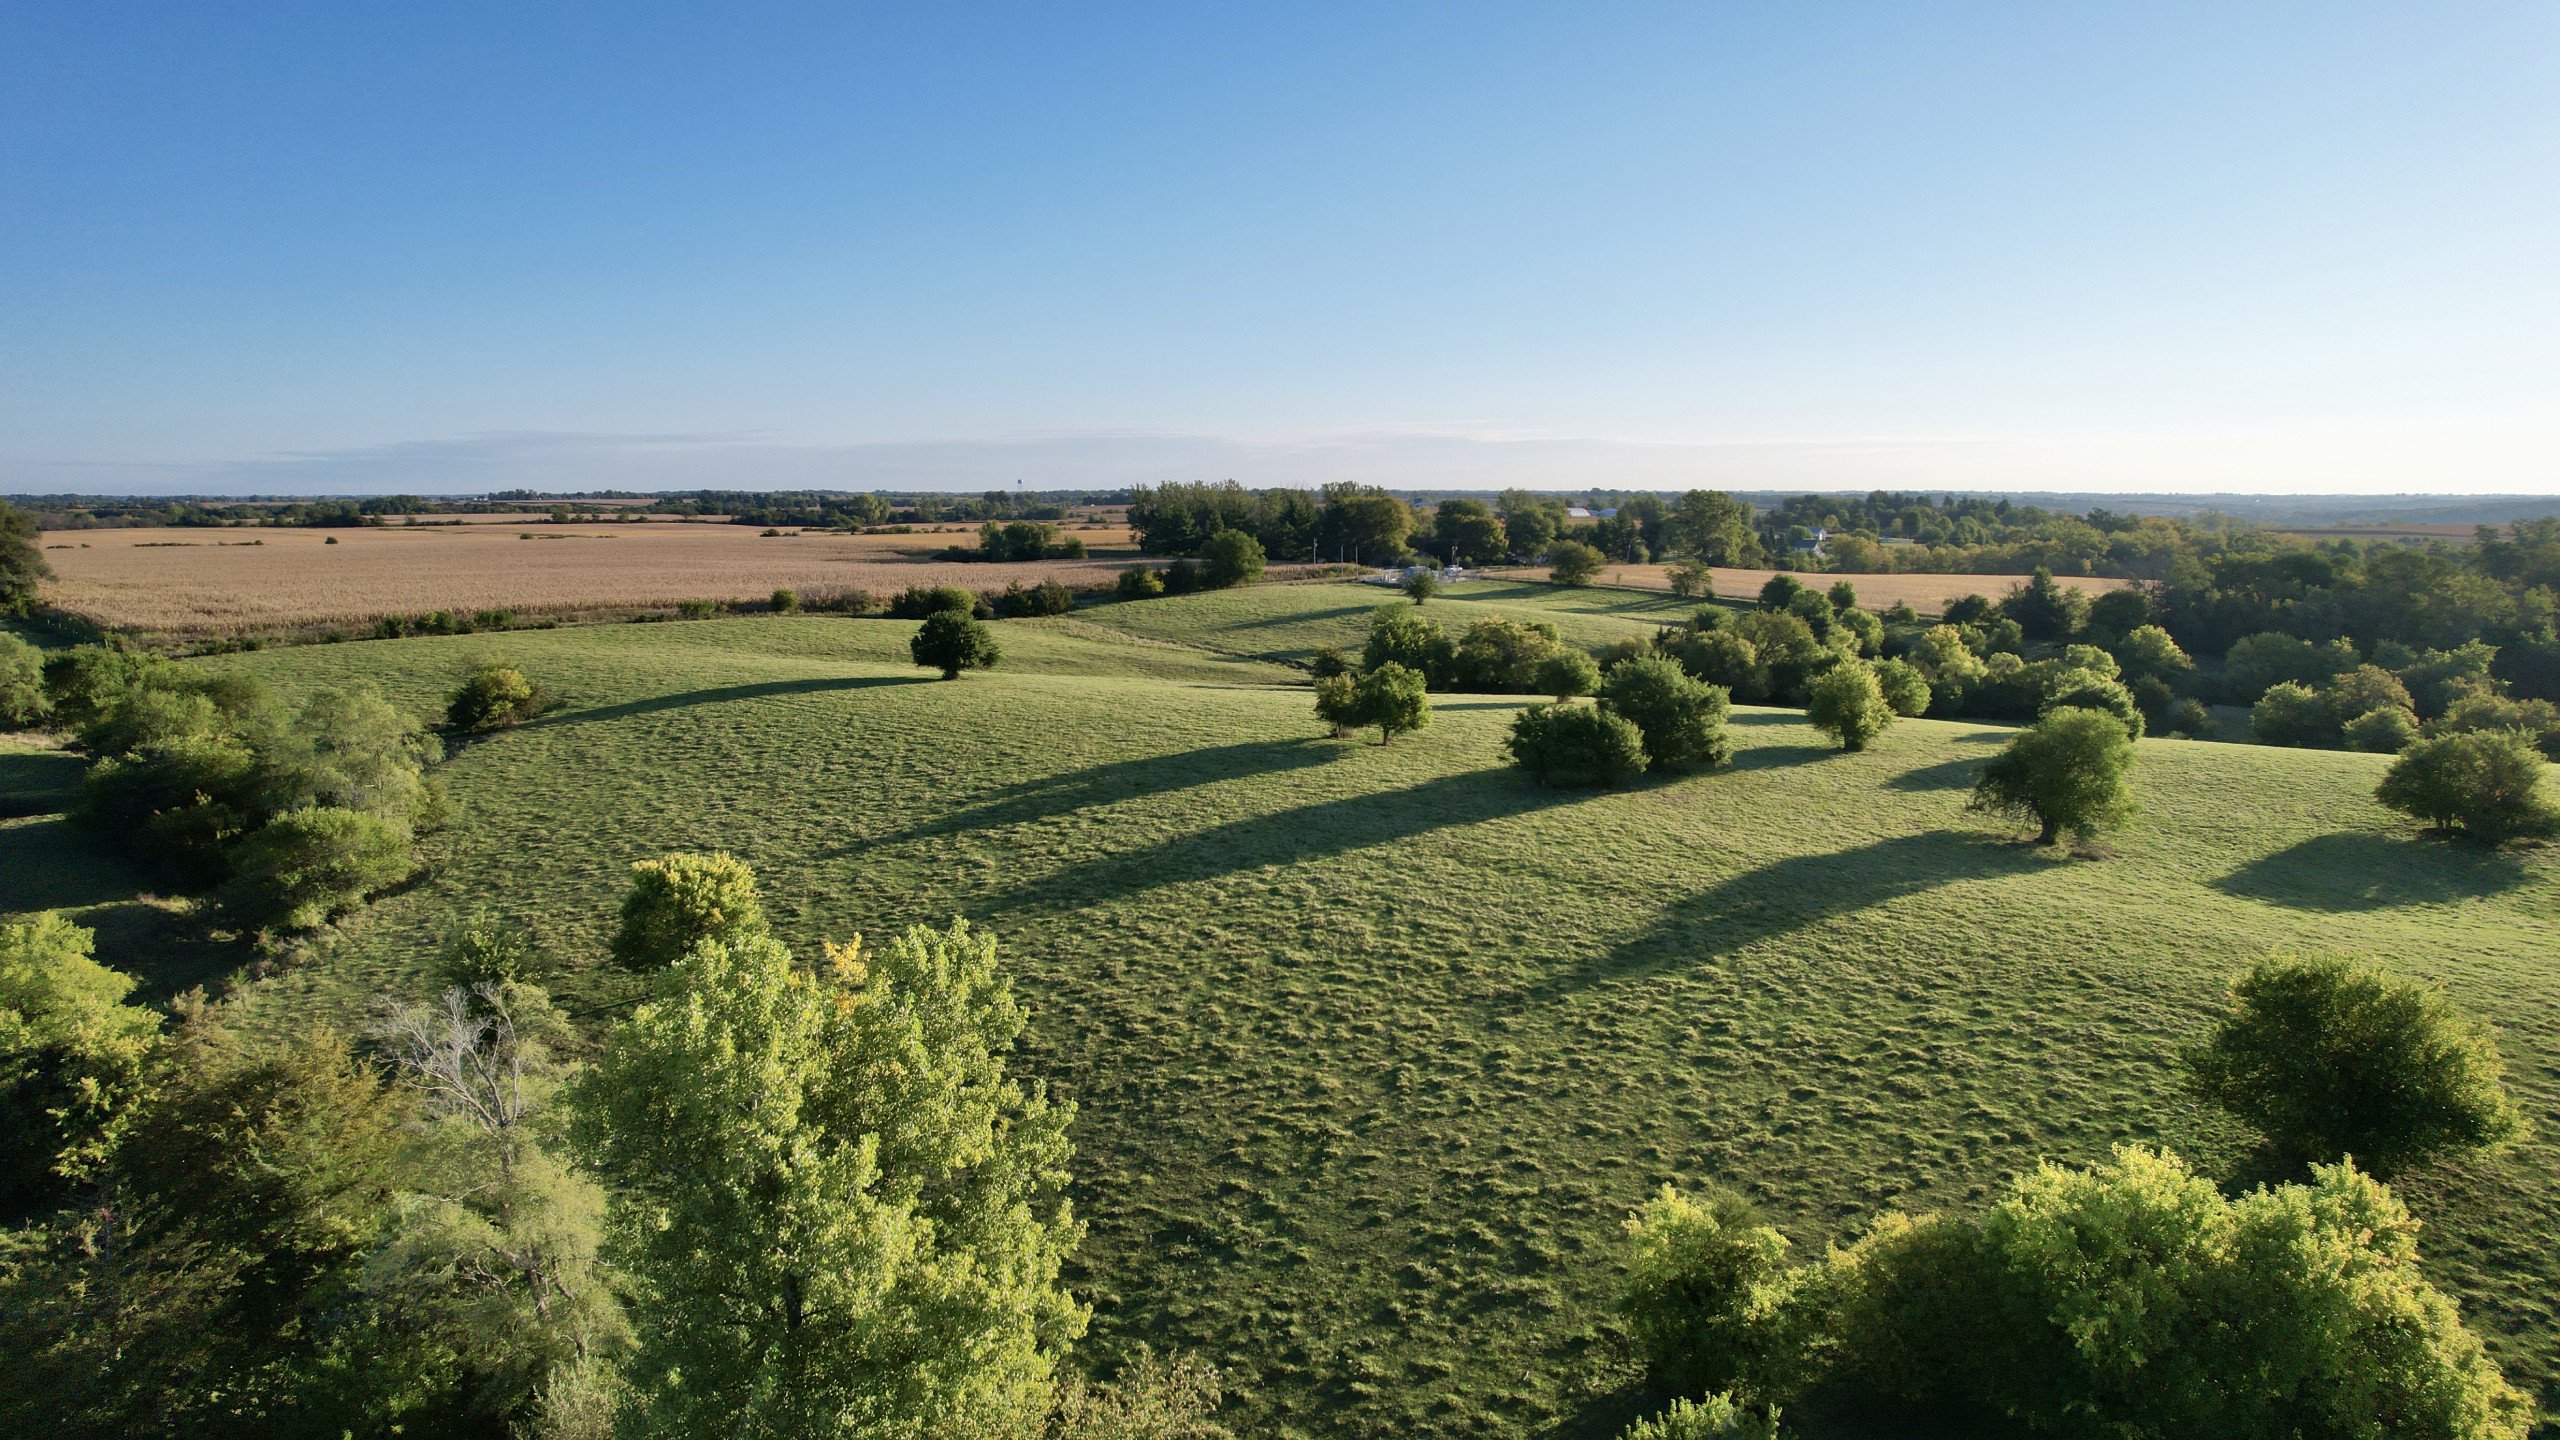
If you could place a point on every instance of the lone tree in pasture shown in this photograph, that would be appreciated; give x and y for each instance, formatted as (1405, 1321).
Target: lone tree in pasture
(1567, 673)
(494, 695)
(1847, 703)
(1338, 702)
(679, 901)
(2328, 1060)
(1566, 744)
(1570, 562)
(2066, 773)
(1692, 580)
(1422, 584)
(1233, 557)
(1681, 719)
(847, 1217)
(2485, 785)
(950, 641)
(1394, 698)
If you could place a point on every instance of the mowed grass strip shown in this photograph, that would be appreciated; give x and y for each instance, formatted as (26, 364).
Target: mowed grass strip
(1375, 1047)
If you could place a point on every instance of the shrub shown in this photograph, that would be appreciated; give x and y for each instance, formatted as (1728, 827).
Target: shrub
(2483, 784)
(1702, 1279)
(2271, 657)
(1848, 704)
(2147, 651)
(2327, 1059)
(1394, 698)
(1905, 688)
(305, 867)
(1966, 610)
(1723, 657)
(1183, 577)
(1138, 582)
(1779, 591)
(679, 901)
(1858, 628)
(1328, 662)
(1692, 580)
(2103, 696)
(1814, 609)
(1046, 598)
(22, 697)
(2437, 678)
(74, 1058)
(1150, 1399)
(785, 600)
(81, 682)
(2066, 772)
(1901, 613)
(1680, 719)
(1233, 558)
(2120, 612)
(1497, 656)
(2188, 717)
(1398, 636)
(483, 950)
(918, 601)
(1422, 585)
(1789, 655)
(1567, 673)
(2292, 713)
(2537, 720)
(2386, 731)
(2367, 688)
(1843, 594)
(1566, 744)
(1338, 702)
(951, 642)
(1715, 1418)
(685, 610)
(1571, 562)
(492, 696)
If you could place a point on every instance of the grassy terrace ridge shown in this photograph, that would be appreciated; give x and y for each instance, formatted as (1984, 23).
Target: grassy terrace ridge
(1375, 1048)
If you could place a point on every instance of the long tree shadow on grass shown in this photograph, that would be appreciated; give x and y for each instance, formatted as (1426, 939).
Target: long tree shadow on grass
(1795, 894)
(1945, 775)
(2371, 871)
(1293, 837)
(723, 695)
(38, 782)
(1063, 794)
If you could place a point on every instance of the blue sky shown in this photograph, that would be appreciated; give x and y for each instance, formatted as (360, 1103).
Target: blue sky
(2159, 246)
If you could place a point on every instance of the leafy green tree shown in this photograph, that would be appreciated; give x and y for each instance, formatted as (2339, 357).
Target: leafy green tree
(1569, 672)
(1716, 1417)
(2044, 609)
(1150, 1399)
(1422, 584)
(677, 902)
(1138, 582)
(1788, 654)
(1814, 609)
(2328, 1059)
(1567, 744)
(2485, 785)
(2366, 688)
(1233, 558)
(1680, 719)
(1692, 580)
(22, 699)
(1469, 533)
(495, 1249)
(2148, 652)
(2066, 773)
(2291, 713)
(1394, 698)
(74, 1058)
(1848, 704)
(2092, 692)
(21, 563)
(83, 681)
(1843, 595)
(1905, 688)
(1399, 637)
(2385, 731)
(1780, 591)
(1713, 527)
(785, 601)
(918, 602)
(353, 750)
(494, 695)
(1497, 656)
(951, 642)
(2119, 613)
(1327, 662)
(1703, 1280)
(1573, 563)
(306, 867)
(1338, 703)
(1529, 522)
(848, 1218)
(1857, 632)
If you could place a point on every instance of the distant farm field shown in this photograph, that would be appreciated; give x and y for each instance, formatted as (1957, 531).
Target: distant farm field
(1374, 1048)
(1927, 594)
(201, 581)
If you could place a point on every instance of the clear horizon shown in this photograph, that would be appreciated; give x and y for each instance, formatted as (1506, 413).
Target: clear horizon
(2301, 250)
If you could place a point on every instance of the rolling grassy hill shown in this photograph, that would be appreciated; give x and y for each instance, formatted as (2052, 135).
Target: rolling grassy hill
(1375, 1047)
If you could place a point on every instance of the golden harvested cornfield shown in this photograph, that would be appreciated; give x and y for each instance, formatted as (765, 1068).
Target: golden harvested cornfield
(216, 581)
(1927, 594)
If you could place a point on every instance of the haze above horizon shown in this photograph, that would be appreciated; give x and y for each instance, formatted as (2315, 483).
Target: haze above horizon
(2175, 249)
